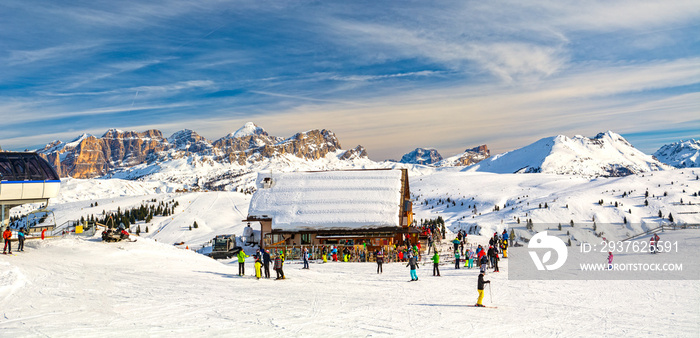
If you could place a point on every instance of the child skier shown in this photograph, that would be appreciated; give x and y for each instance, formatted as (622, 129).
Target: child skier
(456, 259)
(414, 265)
(610, 260)
(436, 261)
(480, 288)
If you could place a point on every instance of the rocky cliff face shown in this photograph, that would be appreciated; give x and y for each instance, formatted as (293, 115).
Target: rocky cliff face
(89, 156)
(469, 157)
(422, 156)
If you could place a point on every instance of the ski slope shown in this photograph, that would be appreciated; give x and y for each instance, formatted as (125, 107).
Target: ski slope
(67, 287)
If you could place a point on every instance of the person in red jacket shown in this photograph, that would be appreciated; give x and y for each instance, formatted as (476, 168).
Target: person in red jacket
(6, 235)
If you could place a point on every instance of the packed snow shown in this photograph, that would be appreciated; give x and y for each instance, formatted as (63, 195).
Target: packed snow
(67, 287)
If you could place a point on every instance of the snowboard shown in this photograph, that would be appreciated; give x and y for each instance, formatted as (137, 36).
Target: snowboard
(490, 307)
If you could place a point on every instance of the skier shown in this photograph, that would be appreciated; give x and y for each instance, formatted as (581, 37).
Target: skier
(436, 261)
(266, 263)
(456, 259)
(480, 288)
(470, 256)
(493, 257)
(652, 246)
(334, 253)
(483, 263)
(380, 260)
(346, 254)
(6, 235)
(656, 242)
(430, 241)
(305, 255)
(241, 262)
(324, 251)
(20, 239)
(278, 266)
(504, 248)
(414, 265)
(258, 267)
(610, 260)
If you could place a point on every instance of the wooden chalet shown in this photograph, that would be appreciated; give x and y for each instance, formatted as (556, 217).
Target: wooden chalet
(348, 207)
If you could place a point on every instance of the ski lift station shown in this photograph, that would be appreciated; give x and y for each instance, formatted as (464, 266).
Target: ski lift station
(25, 178)
(333, 207)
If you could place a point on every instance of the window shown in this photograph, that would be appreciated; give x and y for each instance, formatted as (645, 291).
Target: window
(49, 173)
(305, 239)
(33, 169)
(20, 168)
(6, 170)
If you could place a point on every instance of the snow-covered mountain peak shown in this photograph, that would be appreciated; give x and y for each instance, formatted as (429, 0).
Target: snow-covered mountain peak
(248, 129)
(682, 154)
(606, 154)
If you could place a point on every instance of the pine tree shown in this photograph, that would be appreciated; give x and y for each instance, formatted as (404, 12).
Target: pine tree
(569, 244)
(146, 229)
(572, 223)
(195, 225)
(661, 215)
(595, 227)
(646, 203)
(559, 226)
(624, 220)
(670, 217)
(138, 230)
(190, 228)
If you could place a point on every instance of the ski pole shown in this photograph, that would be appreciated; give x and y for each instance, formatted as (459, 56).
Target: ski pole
(490, 294)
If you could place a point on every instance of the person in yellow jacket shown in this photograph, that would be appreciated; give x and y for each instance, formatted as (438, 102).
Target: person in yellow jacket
(241, 262)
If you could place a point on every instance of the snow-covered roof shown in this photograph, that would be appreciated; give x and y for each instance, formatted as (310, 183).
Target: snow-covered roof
(329, 200)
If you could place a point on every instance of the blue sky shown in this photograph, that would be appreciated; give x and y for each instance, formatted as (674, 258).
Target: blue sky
(391, 76)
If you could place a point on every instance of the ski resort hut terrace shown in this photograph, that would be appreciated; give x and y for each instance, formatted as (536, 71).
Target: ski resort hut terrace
(346, 208)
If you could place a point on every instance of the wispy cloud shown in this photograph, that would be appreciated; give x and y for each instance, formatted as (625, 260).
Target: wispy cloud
(22, 57)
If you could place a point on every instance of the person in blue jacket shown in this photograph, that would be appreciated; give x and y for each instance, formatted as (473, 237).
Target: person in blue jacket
(414, 265)
(20, 240)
